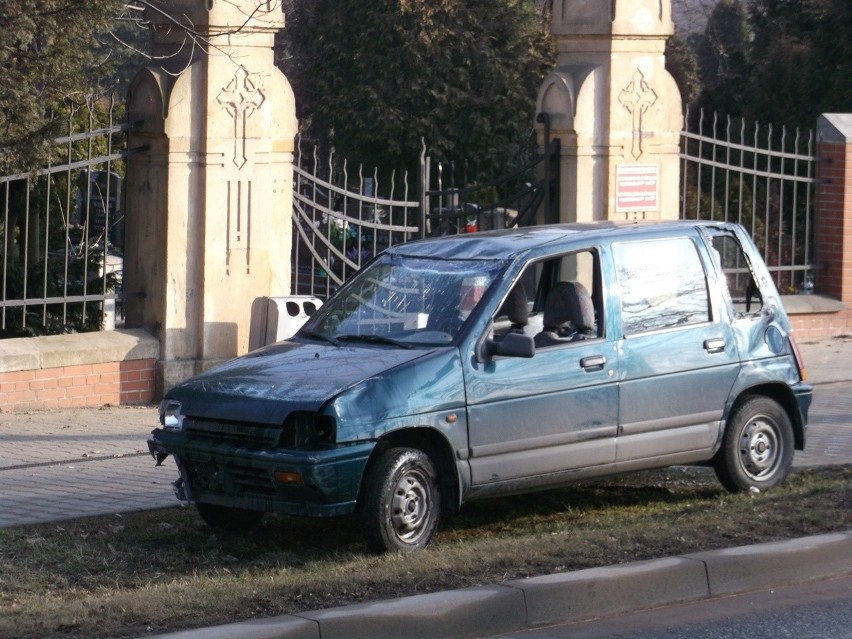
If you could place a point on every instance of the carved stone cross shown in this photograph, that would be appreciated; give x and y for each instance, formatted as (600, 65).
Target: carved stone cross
(240, 98)
(637, 98)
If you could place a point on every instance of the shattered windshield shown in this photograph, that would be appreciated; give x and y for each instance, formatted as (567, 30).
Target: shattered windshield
(404, 301)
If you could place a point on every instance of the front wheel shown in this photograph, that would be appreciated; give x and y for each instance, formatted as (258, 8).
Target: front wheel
(228, 518)
(757, 449)
(401, 503)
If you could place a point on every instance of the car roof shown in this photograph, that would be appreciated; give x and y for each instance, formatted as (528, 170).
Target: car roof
(506, 244)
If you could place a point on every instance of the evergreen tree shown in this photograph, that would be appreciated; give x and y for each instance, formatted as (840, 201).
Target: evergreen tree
(723, 58)
(783, 61)
(45, 48)
(375, 78)
(802, 53)
(682, 63)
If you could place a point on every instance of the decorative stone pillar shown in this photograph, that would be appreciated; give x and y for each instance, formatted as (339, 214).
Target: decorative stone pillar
(616, 110)
(209, 197)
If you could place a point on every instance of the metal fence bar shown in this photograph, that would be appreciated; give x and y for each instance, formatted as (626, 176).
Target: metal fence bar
(70, 299)
(5, 253)
(69, 142)
(46, 244)
(26, 245)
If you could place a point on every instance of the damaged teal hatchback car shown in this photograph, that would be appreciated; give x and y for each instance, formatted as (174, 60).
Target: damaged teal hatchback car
(466, 367)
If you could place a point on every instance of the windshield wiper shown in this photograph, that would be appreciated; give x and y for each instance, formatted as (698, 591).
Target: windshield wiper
(317, 335)
(374, 339)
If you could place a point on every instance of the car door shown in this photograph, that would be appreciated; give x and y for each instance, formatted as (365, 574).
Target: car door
(531, 420)
(677, 352)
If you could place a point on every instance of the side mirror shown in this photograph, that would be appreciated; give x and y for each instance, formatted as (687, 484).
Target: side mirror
(511, 345)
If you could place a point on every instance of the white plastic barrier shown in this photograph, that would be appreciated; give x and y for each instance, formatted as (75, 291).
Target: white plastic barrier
(276, 318)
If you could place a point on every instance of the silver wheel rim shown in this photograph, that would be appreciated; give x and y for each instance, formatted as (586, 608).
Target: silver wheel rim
(411, 506)
(760, 448)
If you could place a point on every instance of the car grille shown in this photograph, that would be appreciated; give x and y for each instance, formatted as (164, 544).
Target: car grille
(251, 436)
(228, 479)
(250, 480)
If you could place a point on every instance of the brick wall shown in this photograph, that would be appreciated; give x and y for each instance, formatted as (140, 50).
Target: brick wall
(130, 382)
(814, 326)
(69, 371)
(833, 207)
(832, 254)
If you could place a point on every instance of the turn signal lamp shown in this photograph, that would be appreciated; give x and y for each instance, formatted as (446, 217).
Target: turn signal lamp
(288, 477)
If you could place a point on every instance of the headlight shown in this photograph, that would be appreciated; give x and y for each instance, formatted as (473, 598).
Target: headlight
(170, 415)
(306, 430)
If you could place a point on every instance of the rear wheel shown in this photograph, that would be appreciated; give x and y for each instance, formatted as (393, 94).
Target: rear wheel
(757, 449)
(401, 503)
(228, 518)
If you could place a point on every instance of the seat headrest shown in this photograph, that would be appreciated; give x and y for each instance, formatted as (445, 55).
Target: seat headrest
(515, 306)
(569, 302)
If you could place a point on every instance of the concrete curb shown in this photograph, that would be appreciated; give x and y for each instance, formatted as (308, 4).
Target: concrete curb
(598, 592)
(584, 594)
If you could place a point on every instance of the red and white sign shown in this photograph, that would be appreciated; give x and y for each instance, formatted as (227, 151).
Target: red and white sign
(637, 187)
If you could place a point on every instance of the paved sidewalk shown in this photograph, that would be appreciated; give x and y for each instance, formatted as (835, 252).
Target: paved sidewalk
(57, 465)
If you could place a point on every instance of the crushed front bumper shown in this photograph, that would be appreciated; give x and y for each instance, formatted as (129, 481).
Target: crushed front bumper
(317, 483)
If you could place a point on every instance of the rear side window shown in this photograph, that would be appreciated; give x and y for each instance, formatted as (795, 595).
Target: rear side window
(663, 285)
(744, 294)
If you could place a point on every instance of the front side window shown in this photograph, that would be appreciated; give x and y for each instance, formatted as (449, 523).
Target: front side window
(556, 301)
(663, 285)
(407, 300)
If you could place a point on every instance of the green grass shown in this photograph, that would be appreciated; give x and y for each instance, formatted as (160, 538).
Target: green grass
(164, 570)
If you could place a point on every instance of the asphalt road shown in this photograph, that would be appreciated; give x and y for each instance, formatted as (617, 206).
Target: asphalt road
(821, 610)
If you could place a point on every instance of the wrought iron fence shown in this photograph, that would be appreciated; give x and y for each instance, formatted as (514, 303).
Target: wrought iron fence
(343, 217)
(759, 176)
(340, 220)
(62, 230)
(519, 189)
(62, 226)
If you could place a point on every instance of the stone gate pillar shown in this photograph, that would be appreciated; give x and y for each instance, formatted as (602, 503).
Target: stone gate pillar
(209, 197)
(615, 108)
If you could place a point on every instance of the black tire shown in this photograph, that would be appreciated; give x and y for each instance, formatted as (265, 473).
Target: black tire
(227, 518)
(757, 449)
(401, 503)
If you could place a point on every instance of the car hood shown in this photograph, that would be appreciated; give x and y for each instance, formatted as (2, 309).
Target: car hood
(271, 382)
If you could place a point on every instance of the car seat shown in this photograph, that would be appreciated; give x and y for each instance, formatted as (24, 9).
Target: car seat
(569, 315)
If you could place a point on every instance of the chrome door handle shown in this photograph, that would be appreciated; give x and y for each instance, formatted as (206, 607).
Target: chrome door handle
(714, 345)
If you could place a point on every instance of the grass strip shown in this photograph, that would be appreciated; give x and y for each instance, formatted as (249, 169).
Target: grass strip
(165, 570)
